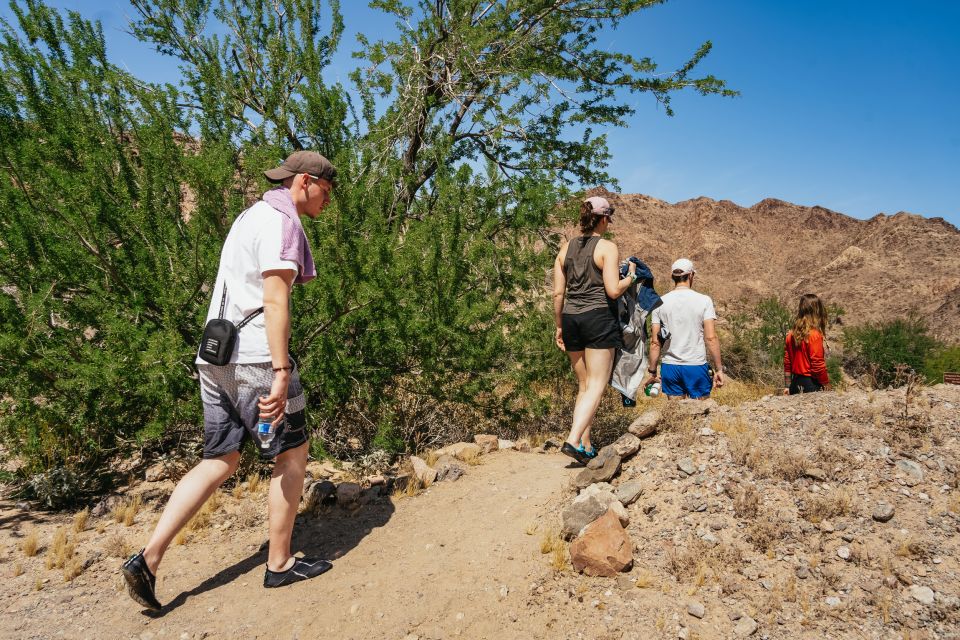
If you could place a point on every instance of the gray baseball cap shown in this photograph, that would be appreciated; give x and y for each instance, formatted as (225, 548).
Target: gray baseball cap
(309, 162)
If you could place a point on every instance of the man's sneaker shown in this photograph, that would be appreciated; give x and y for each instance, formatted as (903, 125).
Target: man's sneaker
(140, 581)
(302, 569)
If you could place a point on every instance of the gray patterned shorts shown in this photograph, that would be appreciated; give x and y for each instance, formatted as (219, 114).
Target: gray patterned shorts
(230, 413)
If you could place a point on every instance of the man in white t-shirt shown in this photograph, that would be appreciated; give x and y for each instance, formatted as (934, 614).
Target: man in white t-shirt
(264, 255)
(689, 318)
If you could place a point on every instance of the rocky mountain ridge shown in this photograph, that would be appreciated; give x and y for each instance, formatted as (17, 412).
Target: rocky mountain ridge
(882, 268)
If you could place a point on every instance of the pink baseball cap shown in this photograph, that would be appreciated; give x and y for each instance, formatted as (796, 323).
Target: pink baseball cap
(600, 206)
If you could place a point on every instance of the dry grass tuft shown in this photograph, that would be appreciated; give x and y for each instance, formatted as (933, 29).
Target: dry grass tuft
(72, 568)
(747, 503)
(201, 520)
(531, 529)
(412, 487)
(645, 579)
(734, 392)
(697, 561)
(17, 569)
(116, 546)
(61, 550)
(101, 527)
(908, 546)
(472, 458)
(765, 532)
(30, 543)
(676, 424)
(552, 543)
(839, 502)
(431, 457)
(80, 520)
(787, 464)
(254, 483)
(131, 511)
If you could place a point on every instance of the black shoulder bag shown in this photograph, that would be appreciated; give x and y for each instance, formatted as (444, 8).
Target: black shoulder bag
(220, 336)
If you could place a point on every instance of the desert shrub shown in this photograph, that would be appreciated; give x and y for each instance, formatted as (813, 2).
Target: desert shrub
(754, 348)
(883, 351)
(941, 359)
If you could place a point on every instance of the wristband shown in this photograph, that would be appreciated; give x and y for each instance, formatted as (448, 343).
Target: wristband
(652, 372)
(633, 277)
(286, 368)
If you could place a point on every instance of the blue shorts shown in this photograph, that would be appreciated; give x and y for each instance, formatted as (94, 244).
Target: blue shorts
(691, 380)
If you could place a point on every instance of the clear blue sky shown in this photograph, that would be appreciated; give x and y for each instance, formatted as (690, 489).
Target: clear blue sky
(851, 105)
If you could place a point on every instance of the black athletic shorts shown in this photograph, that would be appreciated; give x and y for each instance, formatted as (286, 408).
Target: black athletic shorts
(595, 329)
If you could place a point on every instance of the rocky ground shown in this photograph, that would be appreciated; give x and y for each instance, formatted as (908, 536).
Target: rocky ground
(834, 515)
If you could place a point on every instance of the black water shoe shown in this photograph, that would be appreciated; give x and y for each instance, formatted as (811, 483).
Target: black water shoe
(140, 581)
(302, 569)
(570, 450)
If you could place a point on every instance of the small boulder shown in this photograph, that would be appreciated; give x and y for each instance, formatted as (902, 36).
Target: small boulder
(628, 492)
(646, 424)
(552, 443)
(347, 493)
(448, 468)
(697, 407)
(923, 595)
(603, 455)
(505, 444)
(626, 445)
(913, 471)
(604, 474)
(816, 473)
(604, 549)
(522, 445)
(460, 450)
(157, 472)
(884, 512)
(686, 466)
(423, 472)
(696, 609)
(487, 442)
(584, 510)
(745, 627)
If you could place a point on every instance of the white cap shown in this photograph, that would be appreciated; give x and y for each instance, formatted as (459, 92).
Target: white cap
(682, 267)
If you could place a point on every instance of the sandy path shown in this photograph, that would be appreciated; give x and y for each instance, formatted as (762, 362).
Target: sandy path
(454, 561)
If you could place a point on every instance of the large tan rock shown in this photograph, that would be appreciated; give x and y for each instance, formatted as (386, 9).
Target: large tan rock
(604, 549)
(646, 424)
(460, 450)
(487, 442)
(424, 472)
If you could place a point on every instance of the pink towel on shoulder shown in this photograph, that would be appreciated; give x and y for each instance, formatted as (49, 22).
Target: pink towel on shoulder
(293, 241)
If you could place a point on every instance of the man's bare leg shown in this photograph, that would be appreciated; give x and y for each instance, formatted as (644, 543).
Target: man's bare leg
(191, 492)
(286, 486)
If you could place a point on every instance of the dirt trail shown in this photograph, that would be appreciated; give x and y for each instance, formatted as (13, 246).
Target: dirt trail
(456, 560)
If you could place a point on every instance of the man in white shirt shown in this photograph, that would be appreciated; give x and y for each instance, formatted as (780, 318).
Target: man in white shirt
(689, 319)
(265, 253)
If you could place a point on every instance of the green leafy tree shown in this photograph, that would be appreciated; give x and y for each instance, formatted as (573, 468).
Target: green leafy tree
(427, 317)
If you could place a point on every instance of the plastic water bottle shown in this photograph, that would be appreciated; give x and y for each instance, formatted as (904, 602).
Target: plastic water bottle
(653, 390)
(265, 433)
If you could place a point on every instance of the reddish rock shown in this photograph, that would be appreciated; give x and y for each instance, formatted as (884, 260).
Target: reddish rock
(604, 549)
(487, 442)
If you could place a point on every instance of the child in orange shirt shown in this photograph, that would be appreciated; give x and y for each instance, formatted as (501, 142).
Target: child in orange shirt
(804, 359)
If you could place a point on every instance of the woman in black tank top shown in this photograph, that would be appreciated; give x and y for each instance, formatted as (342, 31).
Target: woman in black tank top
(586, 283)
